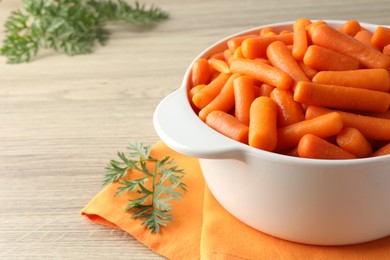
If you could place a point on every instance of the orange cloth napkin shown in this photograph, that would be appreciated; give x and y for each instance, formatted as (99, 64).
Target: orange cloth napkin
(202, 229)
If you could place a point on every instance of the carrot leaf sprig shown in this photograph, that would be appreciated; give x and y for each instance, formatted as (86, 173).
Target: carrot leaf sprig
(160, 183)
(68, 26)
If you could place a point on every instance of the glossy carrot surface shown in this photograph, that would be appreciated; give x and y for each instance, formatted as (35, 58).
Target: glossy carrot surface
(314, 147)
(328, 37)
(263, 125)
(311, 91)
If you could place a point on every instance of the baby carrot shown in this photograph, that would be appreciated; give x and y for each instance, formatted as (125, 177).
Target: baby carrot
(224, 101)
(280, 57)
(193, 91)
(244, 95)
(262, 72)
(210, 91)
(370, 127)
(321, 58)
(200, 72)
(316, 111)
(341, 97)
(381, 37)
(267, 31)
(350, 27)
(330, 38)
(323, 126)
(219, 65)
(351, 140)
(364, 36)
(236, 42)
(237, 54)
(289, 111)
(255, 47)
(228, 125)
(262, 124)
(373, 79)
(300, 43)
(310, 27)
(384, 150)
(311, 146)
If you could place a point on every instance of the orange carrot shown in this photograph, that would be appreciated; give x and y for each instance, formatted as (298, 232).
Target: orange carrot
(228, 125)
(311, 146)
(210, 91)
(289, 111)
(341, 97)
(195, 90)
(219, 65)
(255, 47)
(386, 50)
(236, 42)
(265, 90)
(191, 94)
(321, 58)
(350, 27)
(200, 72)
(373, 79)
(267, 31)
(322, 126)
(381, 37)
(351, 140)
(364, 36)
(370, 127)
(384, 150)
(238, 53)
(310, 72)
(300, 38)
(224, 101)
(262, 72)
(262, 124)
(280, 57)
(274, 90)
(244, 95)
(332, 39)
(315, 111)
(310, 27)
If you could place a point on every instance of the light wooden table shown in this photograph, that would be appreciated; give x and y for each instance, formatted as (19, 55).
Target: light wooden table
(63, 118)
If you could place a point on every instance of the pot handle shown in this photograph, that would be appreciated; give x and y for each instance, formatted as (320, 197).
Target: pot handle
(182, 130)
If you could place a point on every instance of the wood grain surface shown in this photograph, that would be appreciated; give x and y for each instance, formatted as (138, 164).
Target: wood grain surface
(63, 118)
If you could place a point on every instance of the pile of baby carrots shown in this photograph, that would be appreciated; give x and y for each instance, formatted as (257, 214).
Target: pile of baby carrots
(314, 91)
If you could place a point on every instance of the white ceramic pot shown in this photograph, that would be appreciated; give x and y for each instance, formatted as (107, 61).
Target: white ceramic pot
(321, 202)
